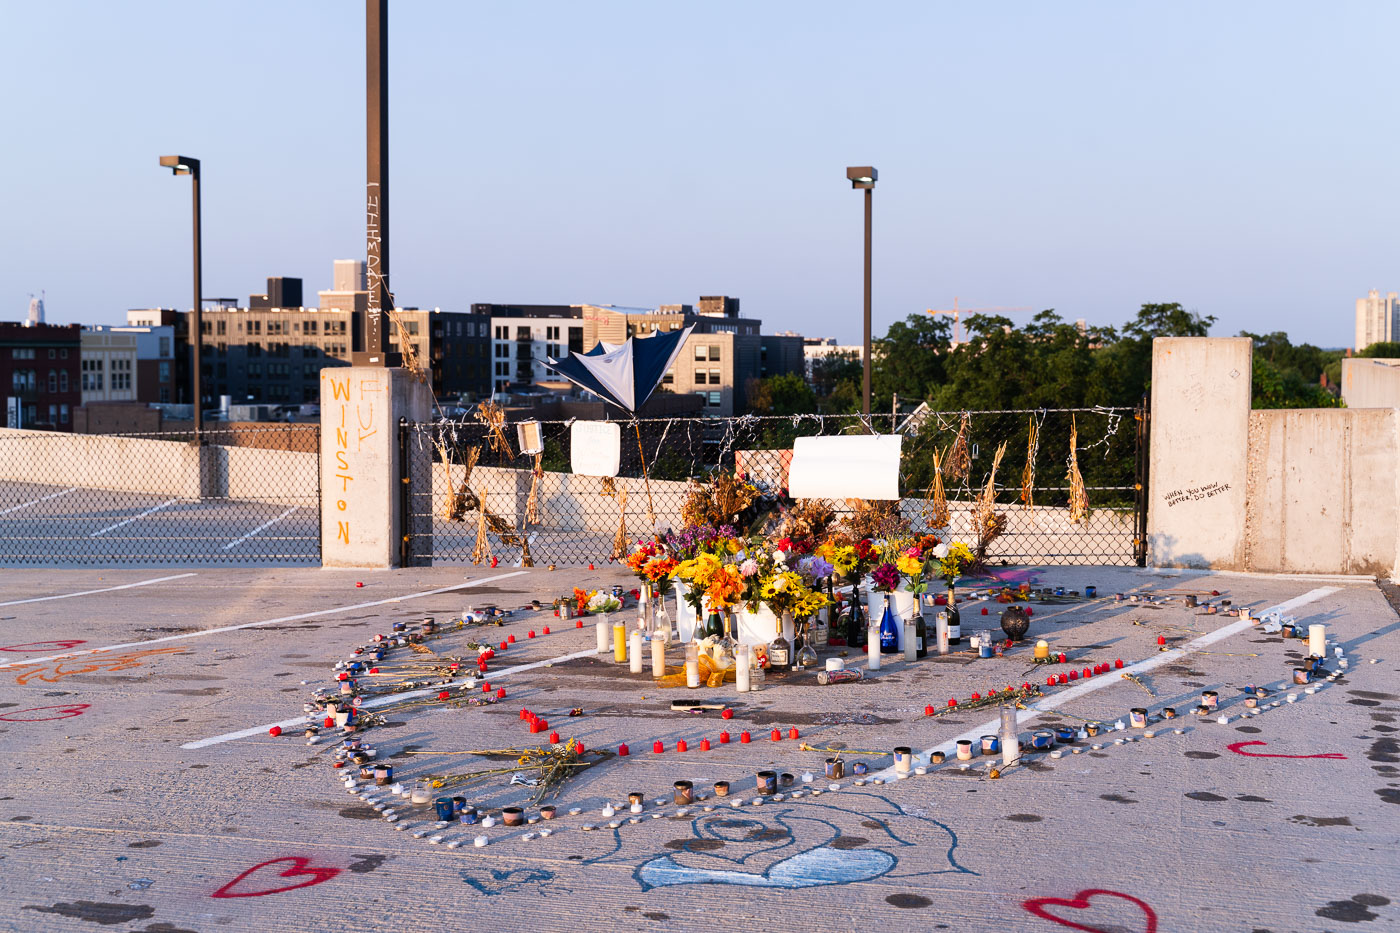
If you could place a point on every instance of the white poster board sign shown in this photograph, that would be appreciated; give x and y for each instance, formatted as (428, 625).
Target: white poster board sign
(595, 448)
(857, 466)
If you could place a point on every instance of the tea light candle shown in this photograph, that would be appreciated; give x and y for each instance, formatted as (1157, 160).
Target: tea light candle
(602, 637)
(634, 651)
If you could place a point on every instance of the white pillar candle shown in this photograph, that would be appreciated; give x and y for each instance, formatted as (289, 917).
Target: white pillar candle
(1317, 640)
(742, 674)
(604, 636)
(910, 642)
(872, 646)
(634, 651)
(658, 657)
(941, 629)
(692, 665)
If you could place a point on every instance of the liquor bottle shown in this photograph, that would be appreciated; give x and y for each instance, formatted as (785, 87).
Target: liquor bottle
(954, 620)
(779, 653)
(889, 628)
(920, 635)
(714, 625)
(856, 624)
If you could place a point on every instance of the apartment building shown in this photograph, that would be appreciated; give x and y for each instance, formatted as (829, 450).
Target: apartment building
(108, 365)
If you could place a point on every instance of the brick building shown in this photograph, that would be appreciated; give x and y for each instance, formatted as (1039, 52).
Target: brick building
(40, 374)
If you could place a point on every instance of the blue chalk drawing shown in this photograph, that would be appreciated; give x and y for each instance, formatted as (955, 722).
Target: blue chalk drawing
(503, 882)
(731, 846)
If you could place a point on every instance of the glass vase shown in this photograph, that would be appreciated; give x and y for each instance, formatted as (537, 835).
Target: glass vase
(806, 655)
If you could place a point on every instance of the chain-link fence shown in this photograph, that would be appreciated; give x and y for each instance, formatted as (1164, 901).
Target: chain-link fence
(249, 495)
(470, 496)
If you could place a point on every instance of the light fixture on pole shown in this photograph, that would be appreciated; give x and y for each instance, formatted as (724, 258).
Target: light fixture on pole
(183, 165)
(863, 177)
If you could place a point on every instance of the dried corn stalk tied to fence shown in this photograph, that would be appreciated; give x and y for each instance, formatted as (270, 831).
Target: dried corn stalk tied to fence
(461, 499)
(959, 462)
(494, 417)
(936, 515)
(482, 550)
(987, 523)
(1028, 474)
(532, 504)
(1078, 495)
(620, 549)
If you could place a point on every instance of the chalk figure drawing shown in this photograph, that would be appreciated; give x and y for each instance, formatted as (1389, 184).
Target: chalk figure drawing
(803, 844)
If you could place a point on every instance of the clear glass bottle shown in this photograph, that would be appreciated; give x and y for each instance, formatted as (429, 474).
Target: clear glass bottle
(806, 658)
(665, 626)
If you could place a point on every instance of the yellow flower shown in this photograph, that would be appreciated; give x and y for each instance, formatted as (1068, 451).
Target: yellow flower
(908, 565)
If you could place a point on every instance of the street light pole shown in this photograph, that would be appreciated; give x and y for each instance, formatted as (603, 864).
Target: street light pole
(374, 339)
(183, 165)
(864, 177)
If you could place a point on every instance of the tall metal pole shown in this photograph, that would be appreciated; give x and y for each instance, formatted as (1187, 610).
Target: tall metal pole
(375, 342)
(196, 319)
(865, 405)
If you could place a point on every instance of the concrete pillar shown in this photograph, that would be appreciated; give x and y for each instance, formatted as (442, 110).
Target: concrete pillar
(1201, 396)
(360, 489)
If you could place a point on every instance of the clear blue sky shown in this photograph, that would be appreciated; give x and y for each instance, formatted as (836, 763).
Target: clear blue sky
(1237, 157)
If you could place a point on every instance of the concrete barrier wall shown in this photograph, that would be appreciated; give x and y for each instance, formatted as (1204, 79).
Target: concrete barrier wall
(156, 467)
(123, 464)
(1372, 383)
(1200, 430)
(1301, 491)
(1323, 490)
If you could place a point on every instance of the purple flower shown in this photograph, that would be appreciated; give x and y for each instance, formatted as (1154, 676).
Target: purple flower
(886, 577)
(820, 569)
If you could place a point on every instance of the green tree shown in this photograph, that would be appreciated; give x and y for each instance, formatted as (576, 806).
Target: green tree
(909, 361)
(1382, 350)
(784, 394)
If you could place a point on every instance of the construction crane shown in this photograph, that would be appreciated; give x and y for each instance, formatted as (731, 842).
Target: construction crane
(956, 312)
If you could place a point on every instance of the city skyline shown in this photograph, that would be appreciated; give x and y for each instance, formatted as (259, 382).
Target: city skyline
(1087, 160)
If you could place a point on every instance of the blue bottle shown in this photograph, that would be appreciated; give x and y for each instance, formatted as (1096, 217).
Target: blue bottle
(889, 629)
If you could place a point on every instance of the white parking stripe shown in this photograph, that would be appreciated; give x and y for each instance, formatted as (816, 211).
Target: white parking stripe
(993, 727)
(134, 518)
(105, 589)
(295, 618)
(23, 505)
(233, 544)
(384, 701)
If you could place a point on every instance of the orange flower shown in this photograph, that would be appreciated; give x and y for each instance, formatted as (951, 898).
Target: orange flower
(726, 587)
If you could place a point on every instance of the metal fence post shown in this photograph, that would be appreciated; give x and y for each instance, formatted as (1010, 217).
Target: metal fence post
(1142, 416)
(405, 478)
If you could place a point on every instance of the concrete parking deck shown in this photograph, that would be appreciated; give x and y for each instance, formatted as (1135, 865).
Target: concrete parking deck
(142, 791)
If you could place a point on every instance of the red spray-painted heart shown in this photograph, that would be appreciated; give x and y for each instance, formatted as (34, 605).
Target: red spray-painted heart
(1239, 749)
(267, 871)
(1039, 905)
(49, 713)
(32, 646)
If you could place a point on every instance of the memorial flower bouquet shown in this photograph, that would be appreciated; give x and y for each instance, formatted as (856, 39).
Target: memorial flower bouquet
(885, 577)
(598, 601)
(652, 564)
(950, 560)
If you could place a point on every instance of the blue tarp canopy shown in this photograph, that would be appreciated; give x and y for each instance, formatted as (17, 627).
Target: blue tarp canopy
(624, 374)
